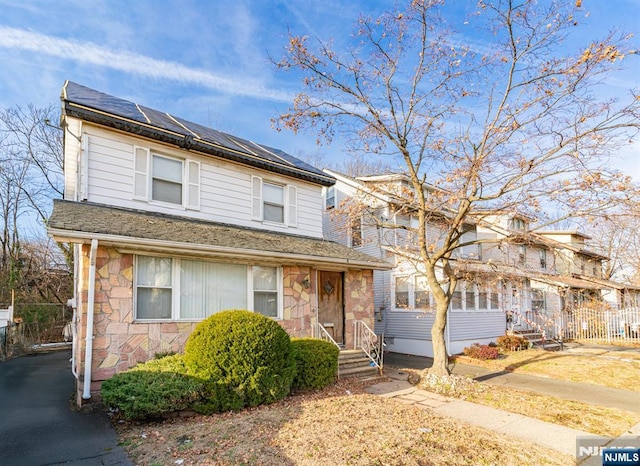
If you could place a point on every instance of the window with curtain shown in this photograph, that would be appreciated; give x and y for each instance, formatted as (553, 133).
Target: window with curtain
(154, 290)
(210, 287)
(177, 289)
(265, 290)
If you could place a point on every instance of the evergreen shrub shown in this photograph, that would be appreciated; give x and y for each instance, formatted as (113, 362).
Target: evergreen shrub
(316, 363)
(245, 359)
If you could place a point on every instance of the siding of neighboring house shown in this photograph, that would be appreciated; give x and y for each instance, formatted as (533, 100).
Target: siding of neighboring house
(225, 187)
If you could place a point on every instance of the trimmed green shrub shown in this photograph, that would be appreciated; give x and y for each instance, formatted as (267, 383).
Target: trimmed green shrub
(512, 342)
(143, 394)
(316, 363)
(245, 358)
(172, 363)
(478, 351)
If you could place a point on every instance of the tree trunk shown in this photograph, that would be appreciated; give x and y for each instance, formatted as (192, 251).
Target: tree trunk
(440, 358)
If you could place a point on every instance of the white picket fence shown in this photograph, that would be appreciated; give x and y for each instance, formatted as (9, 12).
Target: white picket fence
(604, 325)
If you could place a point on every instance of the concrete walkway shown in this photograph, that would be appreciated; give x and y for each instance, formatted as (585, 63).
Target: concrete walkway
(559, 438)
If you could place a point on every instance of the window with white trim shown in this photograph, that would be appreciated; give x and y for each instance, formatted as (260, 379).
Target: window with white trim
(273, 202)
(184, 289)
(402, 292)
(166, 179)
(421, 293)
(154, 290)
(330, 198)
(543, 259)
(356, 232)
(470, 296)
(265, 290)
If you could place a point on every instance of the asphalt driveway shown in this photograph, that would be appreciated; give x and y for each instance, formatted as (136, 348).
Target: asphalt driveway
(37, 425)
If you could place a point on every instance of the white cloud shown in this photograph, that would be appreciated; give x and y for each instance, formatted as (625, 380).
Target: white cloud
(132, 63)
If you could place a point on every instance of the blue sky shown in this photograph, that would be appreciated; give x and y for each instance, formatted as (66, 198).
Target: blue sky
(208, 61)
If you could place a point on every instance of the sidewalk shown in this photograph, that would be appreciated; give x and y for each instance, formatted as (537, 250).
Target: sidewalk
(559, 438)
(592, 394)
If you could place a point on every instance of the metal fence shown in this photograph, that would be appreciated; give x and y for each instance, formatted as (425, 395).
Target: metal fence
(604, 325)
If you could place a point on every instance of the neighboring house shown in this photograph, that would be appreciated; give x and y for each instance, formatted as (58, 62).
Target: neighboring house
(511, 278)
(172, 222)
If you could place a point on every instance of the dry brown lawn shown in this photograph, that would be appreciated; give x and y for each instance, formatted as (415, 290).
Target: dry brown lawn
(597, 420)
(338, 426)
(613, 369)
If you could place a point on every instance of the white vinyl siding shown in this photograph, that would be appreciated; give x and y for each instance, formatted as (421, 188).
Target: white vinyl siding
(225, 188)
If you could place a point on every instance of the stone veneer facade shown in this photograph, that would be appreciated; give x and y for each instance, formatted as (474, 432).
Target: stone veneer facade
(120, 343)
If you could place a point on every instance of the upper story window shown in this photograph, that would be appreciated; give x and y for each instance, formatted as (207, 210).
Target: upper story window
(522, 254)
(166, 179)
(517, 224)
(330, 198)
(274, 203)
(543, 259)
(170, 180)
(356, 232)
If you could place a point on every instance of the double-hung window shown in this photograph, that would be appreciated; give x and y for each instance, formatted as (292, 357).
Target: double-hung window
(154, 290)
(184, 289)
(274, 203)
(265, 290)
(166, 179)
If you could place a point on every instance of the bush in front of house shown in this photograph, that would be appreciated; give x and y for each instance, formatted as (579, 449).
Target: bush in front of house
(482, 352)
(150, 392)
(512, 342)
(316, 363)
(245, 359)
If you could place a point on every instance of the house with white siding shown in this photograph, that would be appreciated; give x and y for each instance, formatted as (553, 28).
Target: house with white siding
(511, 277)
(172, 221)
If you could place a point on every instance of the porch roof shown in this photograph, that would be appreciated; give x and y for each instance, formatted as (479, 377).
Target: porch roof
(569, 282)
(137, 231)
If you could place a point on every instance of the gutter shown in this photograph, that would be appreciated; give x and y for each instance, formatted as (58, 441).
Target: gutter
(88, 353)
(134, 245)
(189, 142)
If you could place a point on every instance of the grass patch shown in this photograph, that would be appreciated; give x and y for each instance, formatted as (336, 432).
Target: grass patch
(597, 420)
(612, 369)
(338, 425)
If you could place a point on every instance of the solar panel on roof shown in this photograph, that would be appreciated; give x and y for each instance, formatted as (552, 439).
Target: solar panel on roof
(239, 149)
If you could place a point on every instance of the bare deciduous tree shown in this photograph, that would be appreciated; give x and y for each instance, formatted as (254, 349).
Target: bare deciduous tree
(512, 124)
(31, 175)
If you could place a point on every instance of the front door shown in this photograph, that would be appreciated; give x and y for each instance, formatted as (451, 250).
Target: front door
(331, 304)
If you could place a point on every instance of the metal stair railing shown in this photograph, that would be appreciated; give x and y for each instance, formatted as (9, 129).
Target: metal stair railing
(371, 344)
(546, 326)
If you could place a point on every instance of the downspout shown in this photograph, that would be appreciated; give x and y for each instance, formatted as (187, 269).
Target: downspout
(317, 303)
(88, 354)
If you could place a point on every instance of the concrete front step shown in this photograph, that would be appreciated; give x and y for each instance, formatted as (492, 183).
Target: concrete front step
(354, 363)
(358, 371)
